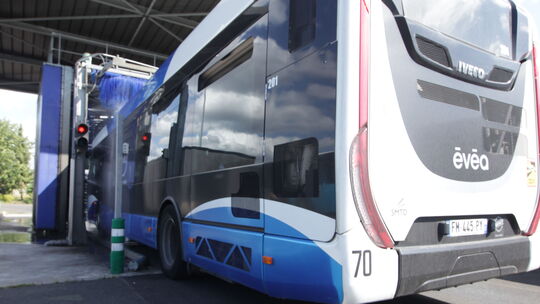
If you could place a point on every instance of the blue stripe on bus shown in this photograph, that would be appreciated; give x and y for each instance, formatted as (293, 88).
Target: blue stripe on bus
(253, 240)
(142, 229)
(301, 269)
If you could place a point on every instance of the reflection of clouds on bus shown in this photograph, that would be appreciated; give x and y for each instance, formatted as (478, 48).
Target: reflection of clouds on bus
(281, 57)
(300, 116)
(441, 17)
(190, 140)
(229, 140)
(232, 122)
(161, 129)
(281, 13)
(164, 124)
(321, 91)
(157, 145)
(464, 23)
(326, 143)
(533, 8)
(234, 111)
(258, 31)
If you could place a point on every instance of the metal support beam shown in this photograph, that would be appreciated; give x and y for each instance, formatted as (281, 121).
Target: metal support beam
(144, 17)
(203, 14)
(174, 18)
(130, 5)
(166, 30)
(119, 4)
(22, 59)
(63, 18)
(78, 38)
(178, 21)
(31, 45)
(20, 86)
(18, 83)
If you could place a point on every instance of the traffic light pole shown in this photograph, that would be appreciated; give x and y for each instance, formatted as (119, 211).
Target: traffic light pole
(76, 220)
(119, 154)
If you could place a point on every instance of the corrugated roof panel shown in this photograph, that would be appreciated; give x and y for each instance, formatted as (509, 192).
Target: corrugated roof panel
(115, 30)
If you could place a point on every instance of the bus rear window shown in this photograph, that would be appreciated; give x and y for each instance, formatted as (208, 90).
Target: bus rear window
(483, 23)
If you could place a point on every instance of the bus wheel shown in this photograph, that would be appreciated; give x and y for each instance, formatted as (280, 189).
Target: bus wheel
(170, 245)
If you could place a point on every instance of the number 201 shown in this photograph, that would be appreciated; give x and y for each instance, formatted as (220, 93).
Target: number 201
(364, 257)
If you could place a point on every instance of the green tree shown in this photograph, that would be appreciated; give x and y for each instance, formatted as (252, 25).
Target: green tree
(14, 157)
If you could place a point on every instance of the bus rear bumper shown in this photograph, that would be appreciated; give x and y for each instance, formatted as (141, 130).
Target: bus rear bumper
(431, 267)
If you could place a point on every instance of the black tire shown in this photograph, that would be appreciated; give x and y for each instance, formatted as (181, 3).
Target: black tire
(170, 245)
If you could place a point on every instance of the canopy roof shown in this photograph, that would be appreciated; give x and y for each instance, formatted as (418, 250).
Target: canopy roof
(59, 31)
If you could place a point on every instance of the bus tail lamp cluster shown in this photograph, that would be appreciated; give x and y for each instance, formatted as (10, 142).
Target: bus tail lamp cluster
(358, 155)
(536, 68)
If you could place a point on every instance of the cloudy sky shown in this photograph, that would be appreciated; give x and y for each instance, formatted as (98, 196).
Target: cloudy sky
(21, 108)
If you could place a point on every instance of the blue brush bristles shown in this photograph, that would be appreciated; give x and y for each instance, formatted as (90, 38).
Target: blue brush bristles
(115, 90)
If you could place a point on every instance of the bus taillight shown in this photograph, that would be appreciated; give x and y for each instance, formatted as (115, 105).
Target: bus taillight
(536, 68)
(363, 198)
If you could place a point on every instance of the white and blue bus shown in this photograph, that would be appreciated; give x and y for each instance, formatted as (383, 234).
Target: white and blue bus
(340, 151)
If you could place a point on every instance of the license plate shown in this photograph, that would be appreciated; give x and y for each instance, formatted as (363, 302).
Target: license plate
(467, 227)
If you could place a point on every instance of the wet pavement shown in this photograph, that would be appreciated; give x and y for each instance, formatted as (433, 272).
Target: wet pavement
(21, 210)
(23, 263)
(15, 230)
(15, 223)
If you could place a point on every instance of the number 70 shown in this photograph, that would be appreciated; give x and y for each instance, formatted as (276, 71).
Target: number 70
(364, 257)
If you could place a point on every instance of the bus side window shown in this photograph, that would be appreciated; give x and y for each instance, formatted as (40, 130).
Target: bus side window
(296, 168)
(302, 22)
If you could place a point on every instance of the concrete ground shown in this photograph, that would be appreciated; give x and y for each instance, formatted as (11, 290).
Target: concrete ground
(207, 289)
(23, 263)
(515, 289)
(32, 273)
(34, 264)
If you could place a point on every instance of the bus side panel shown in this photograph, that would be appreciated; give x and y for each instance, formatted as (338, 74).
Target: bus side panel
(141, 228)
(301, 270)
(300, 110)
(229, 253)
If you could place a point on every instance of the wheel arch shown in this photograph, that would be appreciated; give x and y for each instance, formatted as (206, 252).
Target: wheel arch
(178, 273)
(169, 200)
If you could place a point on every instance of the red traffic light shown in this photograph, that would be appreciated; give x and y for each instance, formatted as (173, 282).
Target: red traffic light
(145, 137)
(82, 129)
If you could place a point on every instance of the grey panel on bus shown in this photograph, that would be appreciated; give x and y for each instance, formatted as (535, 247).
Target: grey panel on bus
(444, 115)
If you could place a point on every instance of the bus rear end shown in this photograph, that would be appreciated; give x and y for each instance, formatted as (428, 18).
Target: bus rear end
(443, 121)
